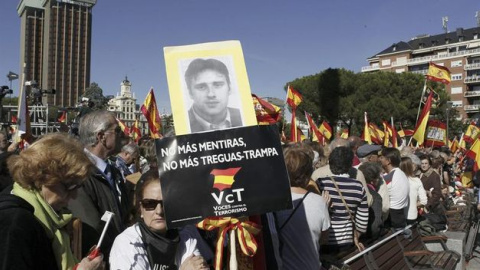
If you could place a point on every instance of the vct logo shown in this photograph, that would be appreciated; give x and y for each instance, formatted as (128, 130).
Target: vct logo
(223, 179)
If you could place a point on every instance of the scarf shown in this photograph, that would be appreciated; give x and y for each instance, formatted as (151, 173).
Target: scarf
(53, 223)
(161, 250)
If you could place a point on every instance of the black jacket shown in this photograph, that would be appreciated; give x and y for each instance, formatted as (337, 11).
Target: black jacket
(23, 241)
(93, 199)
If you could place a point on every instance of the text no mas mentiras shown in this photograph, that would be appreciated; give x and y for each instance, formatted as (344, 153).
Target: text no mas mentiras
(203, 146)
(219, 158)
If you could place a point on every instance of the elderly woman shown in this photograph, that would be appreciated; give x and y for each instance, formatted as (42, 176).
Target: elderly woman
(301, 229)
(349, 209)
(148, 244)
(33, 218)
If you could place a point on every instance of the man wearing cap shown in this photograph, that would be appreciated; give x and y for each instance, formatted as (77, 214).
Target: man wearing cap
(368, 152)
(398, 186)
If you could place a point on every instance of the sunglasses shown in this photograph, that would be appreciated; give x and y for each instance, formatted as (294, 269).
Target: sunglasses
(151, 204)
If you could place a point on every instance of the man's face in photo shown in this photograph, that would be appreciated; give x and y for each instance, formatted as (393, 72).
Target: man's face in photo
(210, 91)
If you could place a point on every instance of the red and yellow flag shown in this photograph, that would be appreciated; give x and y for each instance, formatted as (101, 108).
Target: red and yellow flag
(366, 131)
(454, 145)
(472, 133)
(438, 73)
(293, 128)
(294, 98)
(326, 130)
(316, 134)
(344, 134)
(63, 117)
(224, 178)
(123, 127)
(136, 133)
(419, 133)
(266, 112)
(474, 153)
(150, 111)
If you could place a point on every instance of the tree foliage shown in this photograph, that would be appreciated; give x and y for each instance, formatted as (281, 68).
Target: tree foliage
(341, 97)
(95, 93)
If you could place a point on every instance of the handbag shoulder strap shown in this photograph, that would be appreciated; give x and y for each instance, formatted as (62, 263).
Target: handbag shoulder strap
(294, 210)
(343, 199)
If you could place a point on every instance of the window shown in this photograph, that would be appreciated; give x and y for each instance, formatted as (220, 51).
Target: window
(457, 90)
(401, 60)
(457, 63)
(386, 62)
(457, 77)
(457, 103)
(400, 70)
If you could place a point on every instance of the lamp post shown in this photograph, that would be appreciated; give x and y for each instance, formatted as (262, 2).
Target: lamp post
(447, 109)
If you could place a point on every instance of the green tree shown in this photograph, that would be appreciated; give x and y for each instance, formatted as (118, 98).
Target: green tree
(95, 94)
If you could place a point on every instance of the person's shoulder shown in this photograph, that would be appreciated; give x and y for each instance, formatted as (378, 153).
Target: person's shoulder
(129, 235)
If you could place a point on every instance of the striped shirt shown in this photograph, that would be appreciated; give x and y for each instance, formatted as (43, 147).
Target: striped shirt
(341, 229)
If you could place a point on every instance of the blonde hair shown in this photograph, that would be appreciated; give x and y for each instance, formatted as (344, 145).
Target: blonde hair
(55, 158)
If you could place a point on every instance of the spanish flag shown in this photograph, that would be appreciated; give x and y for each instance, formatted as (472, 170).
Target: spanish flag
(472, 133)
(224, 178)
(150, 111)
(123, 127)
(438, 73)
(419, 133)
(316, 134)
(366, 131)
(344, 134)
(293, 128)
(326, 130)
(294, 98)
(136, 133)
(266, 112)
(474, 153)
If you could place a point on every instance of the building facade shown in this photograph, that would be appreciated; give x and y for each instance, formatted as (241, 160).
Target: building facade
(55, 47)
(459, 51)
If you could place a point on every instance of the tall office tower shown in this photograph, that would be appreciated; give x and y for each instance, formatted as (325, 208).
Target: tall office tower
(55, 46)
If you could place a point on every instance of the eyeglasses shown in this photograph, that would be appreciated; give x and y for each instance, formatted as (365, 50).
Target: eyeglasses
(117, 130)
(151, 204)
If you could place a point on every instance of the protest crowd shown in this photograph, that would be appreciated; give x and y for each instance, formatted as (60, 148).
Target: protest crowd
(95, 200)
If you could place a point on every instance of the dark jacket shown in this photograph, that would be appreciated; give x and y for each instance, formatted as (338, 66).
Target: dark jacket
(23, 241)
(235, 120)
(93, 199)
(431, 180)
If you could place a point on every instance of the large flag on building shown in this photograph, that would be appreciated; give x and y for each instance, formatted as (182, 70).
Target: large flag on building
(436, 134)
(135, 132)
(438, 73)
(316, 134)
(366, 130)
(150, 111)
(419, 133)
(326, 130)
(266, 112)
(294, 98)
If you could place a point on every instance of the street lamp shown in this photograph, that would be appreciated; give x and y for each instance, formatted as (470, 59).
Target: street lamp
(447, 109)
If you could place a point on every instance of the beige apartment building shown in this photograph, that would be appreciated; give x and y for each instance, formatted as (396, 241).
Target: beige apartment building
(458, 50)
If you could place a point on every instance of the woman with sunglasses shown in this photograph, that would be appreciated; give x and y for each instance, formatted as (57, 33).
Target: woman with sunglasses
(34, 224)
(148, 245)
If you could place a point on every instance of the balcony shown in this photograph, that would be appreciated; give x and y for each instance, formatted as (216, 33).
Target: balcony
(471, 108)
(472, 94)
(472, 66)
(426, 59)
(421, 72)
(369, 68)
(472, 79)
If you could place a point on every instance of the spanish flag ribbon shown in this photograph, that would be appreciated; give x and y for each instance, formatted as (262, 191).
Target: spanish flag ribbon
(244, 229)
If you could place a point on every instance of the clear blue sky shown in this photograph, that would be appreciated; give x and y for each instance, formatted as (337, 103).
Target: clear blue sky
(282, 40)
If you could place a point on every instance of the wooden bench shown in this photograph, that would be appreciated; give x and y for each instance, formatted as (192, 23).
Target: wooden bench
(396, 251)
(418, 256)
